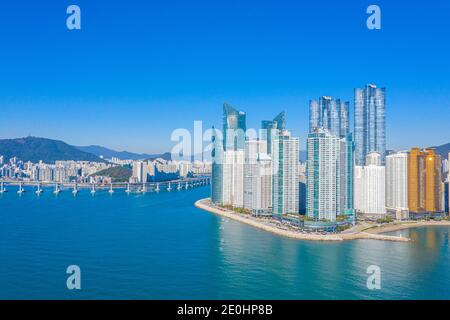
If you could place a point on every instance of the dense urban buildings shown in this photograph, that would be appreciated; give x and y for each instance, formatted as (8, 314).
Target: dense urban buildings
(345, 172)
(425, 190)
(370, 122)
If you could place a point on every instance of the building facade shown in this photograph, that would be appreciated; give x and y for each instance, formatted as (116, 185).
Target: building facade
(370, 186)
(397, 182)
(370, 122)
(271, 128)
(285, 187)
(257, 178)
(424, 181)
(330, 114)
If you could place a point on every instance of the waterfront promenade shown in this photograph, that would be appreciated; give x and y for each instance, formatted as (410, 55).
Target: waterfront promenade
(270, 225)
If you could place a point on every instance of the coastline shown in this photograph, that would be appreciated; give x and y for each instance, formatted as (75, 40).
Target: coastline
(405, 225)
(367, 233)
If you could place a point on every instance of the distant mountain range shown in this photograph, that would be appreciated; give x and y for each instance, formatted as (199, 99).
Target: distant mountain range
(107, 153)
(48, 150)
(443, 150)
(35, 149)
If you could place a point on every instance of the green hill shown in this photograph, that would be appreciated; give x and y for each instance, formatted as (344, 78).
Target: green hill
(117, 174)
(35, 149)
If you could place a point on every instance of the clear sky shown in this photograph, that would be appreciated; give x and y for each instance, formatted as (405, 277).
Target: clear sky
(138, 69)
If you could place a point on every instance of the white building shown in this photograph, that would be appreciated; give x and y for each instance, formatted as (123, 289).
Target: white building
(233, 178)
(285, 188)
(370, 186)
(397, 182)
(322, 175)
(257, 177)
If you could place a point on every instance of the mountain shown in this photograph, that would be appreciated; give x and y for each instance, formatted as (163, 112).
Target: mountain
(443, 150)
(34, 149)
(107, 153)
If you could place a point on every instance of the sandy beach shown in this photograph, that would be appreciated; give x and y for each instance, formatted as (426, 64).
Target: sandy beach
(368, 232)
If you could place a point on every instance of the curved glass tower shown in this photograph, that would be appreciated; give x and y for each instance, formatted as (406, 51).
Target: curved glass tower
(271, 128)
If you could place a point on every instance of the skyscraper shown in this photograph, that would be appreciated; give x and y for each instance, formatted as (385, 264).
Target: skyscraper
(370, 186)
(271, 128)
(346, 175)
(330, 114)
(424, 181)
(257, 178)
(285, 188)
(322, 175)
(227, 179)
(397, 181)
(370, 122)
(217, 167)
(233, 178)
(234, 128)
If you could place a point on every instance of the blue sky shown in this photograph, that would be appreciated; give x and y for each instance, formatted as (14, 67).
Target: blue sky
(140, 69)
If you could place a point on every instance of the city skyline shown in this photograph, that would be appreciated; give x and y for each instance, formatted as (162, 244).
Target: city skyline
(180, 74)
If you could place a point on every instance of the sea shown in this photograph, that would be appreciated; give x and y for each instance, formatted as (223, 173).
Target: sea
(160, 246)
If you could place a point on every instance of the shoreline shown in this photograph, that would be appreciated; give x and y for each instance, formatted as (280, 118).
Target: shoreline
(405, 225)
(204, 204)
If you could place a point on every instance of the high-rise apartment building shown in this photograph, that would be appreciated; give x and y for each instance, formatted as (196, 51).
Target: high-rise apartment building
(233, 178)
(285, 187)
(370, 186)
(329, 175)
(424, 181)
(271, 128)
(397, 182)
(257, 178)
(330, 114)
(370, 123)
(227, 181)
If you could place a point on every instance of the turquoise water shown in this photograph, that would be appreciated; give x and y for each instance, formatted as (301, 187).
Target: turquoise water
(159, 246)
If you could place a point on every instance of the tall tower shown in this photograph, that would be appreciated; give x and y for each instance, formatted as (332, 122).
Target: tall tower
(271, 128)
(234, 128)
(227, 178)
(397, 181)
(257, 177)
(330, 114)
(424, 181)
(370, 122)
(322, 175)
(370, 186)
(285, 186)
(217, 167)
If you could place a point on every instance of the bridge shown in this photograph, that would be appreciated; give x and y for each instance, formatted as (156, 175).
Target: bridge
(39, 186)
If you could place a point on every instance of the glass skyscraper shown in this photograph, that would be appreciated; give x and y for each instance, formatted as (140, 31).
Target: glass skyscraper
(330, 114)
(271, 128)
(217, 168)
(231, 139)
(234, 128)
(370, 123)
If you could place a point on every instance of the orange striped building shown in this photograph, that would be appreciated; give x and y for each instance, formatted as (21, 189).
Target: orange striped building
(424, 181)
